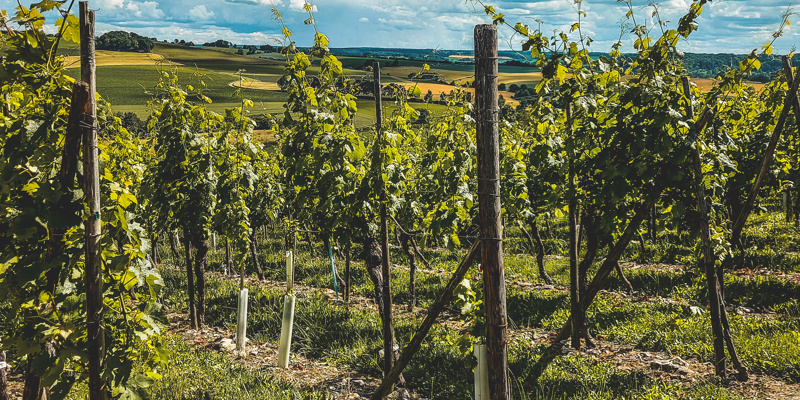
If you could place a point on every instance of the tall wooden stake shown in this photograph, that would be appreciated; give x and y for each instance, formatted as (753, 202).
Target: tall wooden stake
(708, 252)
(388, 326)
(4, 393)
(94, 280)
(572, 220)
(488, 135)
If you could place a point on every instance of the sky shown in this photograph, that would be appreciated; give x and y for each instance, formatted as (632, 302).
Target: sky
(734, 26)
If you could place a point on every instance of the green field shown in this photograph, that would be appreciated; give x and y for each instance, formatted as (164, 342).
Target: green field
(134, 85)
(128, 88)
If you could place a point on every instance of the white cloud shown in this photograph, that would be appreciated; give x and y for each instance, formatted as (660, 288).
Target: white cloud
(458, 22)
(297, 5)
(258, 2)
(200, 13)
(395, 22)
(516, 11)
(145, 9)
(363, 19)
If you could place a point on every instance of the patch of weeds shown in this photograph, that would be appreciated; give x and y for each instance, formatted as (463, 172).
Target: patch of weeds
(210, 375)
(759, 291)
(581, 377)
(765, 345)
(531, 308)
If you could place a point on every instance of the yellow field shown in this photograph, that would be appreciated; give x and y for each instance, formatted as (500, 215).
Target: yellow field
(251, 84)
(509, 78)
(705, 84)
(437, 88)
(105, 57)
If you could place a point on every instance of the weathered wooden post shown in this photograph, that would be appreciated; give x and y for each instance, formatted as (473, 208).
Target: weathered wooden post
(388, 326)
(187, 248)
(707, 261)
(572, 220)
(491, 236)
(94, 280)
(4, 394)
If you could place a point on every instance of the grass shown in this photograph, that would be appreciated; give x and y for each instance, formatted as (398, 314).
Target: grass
(660, 320)
(329, 332)
(202, 374)
(217, 60)
(770, 346)
(105, 57)
(129, 85)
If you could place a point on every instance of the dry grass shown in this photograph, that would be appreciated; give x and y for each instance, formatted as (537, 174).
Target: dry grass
(106, 57)
(705, 84)
(257, 85)
(508, 78)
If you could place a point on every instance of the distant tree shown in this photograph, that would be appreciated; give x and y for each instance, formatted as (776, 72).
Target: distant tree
(124, 41)
(268, 48)
(219, 43)
(132, 123)
(367, 65)
(501, 87)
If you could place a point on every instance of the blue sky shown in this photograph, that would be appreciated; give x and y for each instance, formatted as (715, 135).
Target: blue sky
(725, 26)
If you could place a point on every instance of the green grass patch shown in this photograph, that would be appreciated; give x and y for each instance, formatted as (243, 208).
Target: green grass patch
(131, 85)
(352, 339)
(202, 374)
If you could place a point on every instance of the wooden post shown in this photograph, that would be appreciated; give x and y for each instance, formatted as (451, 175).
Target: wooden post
(94, 279)
(708, 252)
(488, 135)
(416, 341)
(254, 254)
(4, 393)
(294, 254)
(388, 327)
(200, 261)
(228, 259)
(572, 220)
(190, 280)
